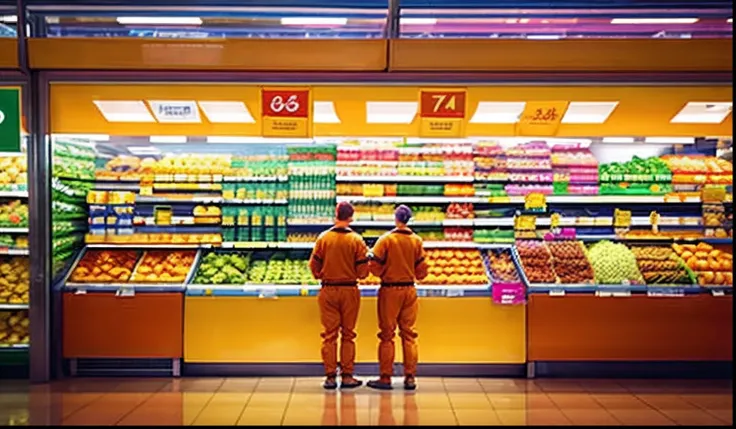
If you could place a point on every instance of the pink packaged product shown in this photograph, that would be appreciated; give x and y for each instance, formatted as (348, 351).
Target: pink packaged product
(531, 176)
(573, 156)
(518, 190)
(531, 149)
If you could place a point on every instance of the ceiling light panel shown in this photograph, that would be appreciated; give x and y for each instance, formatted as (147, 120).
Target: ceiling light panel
(391, 112)
(159, 20)
(588, 112)
(418, 21)
(168, 139)
(498, 112)
(316, 20)
(226, 112)
(124, 111)
(703, 113)
(644, 21)
(325, 113)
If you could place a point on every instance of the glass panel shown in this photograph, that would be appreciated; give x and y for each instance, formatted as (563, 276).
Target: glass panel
(8, 21)
(550, 24)
(368, 20)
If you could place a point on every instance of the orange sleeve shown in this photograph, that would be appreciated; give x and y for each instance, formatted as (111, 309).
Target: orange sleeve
(377, 264)
(316, 260)
(420, 262)
(361, 257)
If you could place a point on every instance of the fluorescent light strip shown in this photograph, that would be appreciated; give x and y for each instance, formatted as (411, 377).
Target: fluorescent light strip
(124, 111)
(324, 113)
(167, 139)
(670, 140)
(253, 140)
(159, 20)
(654, 20)
(544, 37)
(226, 112)
(89, 137)
(588, 112)
(316, 20)
(418, 21)
(703, 113)
(498, 112)
(729, 20)
(391, 112)
(9, 19)
(618, 140)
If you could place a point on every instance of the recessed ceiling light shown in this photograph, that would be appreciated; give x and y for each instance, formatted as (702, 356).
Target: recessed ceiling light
(618, 140)
(315, 20)
(703, 113)
(418, 21)
(544, 37)
(594, 112)
(168, 139)
(226, 112)
(498, 112)
(670, 140)
(654, 20)
(124, 111)
(391, 112)
(159, 20)
(324, 113)
(9, 19)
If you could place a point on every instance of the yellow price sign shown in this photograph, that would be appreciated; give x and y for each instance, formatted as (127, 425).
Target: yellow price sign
(713, 194)
(622, 218)
(535, 201)
(555, 220)
(654, 220)
(525, 223)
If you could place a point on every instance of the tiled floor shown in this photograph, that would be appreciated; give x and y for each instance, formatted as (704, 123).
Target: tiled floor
(301, 401)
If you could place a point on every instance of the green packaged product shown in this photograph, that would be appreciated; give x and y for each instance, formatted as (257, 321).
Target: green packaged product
(243, 224)
(256, 224)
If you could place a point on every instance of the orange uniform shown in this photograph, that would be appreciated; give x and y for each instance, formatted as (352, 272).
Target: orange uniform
(339, 259)
(398, 259)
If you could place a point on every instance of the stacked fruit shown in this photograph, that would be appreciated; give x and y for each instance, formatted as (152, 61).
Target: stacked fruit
(14, 281)
(713, 266)
(661, 265)
(14, 328)
(536, 261)
(13, 172)
(570, 262)
(105, 266)
(302, 237)
(460, 211)
(370, 280)
(458, 234)
(164, 266)
(501, 265)
(280, 270)
(455, 267)
(459, 190)
(223, 268)
(613, 263)
(14, 214)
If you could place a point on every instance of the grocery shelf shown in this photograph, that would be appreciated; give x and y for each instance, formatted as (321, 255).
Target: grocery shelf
(114, 287)
(405, 179)
(13, 230)
(13, 194)
(148, 246)
(145, 199)
(612, 237)
(14, 347)
(517, 199)
(14, 252)
(621, 289)
(271, 290)
(266, 245)
(236, 179)
(255, 202)
(8, 307)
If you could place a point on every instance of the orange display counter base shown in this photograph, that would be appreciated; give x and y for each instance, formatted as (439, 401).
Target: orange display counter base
(102, 325)
(636, 328)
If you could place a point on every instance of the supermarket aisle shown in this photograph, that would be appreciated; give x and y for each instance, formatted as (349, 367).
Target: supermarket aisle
(288, 401)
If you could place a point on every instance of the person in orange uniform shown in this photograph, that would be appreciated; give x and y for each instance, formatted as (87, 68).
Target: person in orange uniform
(339, 259)
(398, 259)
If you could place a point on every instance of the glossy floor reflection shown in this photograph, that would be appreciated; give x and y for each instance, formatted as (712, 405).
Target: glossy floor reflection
(301, 401)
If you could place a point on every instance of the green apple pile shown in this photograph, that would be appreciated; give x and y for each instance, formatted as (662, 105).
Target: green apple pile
(280, 270)
(614, 263)
(223, 268)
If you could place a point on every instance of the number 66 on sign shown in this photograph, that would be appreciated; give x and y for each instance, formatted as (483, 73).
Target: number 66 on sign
(286, 112)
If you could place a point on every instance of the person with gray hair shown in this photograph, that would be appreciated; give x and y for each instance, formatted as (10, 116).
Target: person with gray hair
(399, 261)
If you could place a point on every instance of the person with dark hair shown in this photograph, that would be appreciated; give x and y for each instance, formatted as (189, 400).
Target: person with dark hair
(398, 260)
(339, 260)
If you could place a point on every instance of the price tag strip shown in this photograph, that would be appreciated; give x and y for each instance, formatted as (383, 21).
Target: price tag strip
(665, 291)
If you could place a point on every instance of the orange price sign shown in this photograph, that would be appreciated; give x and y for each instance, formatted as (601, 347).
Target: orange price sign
(287, 112)
(541, 118)
(442, 112)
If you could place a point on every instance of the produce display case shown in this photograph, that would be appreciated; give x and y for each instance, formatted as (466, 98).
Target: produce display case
(243, 212)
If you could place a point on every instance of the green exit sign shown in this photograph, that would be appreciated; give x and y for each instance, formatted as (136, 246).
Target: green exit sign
(10, 120)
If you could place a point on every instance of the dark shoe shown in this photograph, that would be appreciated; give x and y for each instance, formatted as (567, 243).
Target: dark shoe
(348, 382)
(410, 383)
(380, 385)
(330, 383)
